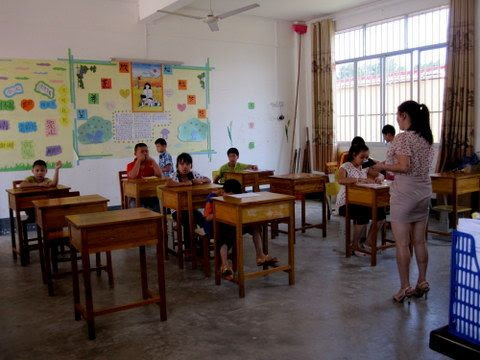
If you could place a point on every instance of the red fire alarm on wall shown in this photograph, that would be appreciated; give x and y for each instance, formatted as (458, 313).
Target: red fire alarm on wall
(299, 28)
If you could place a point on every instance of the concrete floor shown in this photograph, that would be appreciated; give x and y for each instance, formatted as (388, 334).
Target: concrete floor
(339, 308)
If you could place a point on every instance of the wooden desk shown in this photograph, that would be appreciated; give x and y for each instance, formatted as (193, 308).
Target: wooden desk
(253, 178)
(114, 230)
(264, 207)
(184, 198)
(141, 188)
(454, 184)
(21, 200)
(299, 185)
(50, 219)
(373, 196)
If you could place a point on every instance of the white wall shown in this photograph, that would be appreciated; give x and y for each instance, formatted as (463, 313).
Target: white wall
(253, 59)
(374, 12)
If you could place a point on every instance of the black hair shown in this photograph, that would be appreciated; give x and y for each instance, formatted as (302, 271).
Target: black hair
(388, 129)
(357, 140)
(233, 150)
(147, 83)
(39, 163)
(232, 186)
(161, 141)
(419, 119)
(355, 150)
(139, 145)
(184, 158)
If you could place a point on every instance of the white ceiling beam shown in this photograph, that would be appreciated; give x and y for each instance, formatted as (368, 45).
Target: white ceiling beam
(147, 9)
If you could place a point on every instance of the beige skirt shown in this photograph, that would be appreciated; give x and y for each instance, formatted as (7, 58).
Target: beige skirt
(410, 198)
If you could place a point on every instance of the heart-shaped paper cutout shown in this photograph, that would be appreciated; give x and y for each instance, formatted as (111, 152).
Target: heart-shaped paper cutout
(124, 93)
(27, 104)
(181, 107)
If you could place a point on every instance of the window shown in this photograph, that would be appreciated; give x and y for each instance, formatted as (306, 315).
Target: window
(380, 65)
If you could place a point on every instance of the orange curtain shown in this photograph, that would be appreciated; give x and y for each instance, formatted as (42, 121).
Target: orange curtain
(458, 101)
(323, 68)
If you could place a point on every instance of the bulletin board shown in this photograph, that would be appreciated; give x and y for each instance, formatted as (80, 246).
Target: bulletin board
(71, 109)
(35, 114)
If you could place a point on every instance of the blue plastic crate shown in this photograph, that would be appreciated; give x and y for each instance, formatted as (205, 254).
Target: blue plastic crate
(464, 314)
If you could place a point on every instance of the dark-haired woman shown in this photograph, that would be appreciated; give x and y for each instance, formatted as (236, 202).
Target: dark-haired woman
(410, 157)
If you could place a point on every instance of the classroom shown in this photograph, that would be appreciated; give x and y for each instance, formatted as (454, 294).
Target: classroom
(239, 179)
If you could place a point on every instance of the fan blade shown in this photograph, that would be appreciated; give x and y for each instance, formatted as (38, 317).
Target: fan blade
(178, 14)
(237, 11)
(213, 25)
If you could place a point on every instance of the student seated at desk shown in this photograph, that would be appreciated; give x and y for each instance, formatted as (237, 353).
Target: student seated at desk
(143, 166)
(232, 165)
(38, 179)
(357, 140)
(185, 176)
(227, 233)
(352, 172)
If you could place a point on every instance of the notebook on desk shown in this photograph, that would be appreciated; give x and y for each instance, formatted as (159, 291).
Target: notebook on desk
(237, 198)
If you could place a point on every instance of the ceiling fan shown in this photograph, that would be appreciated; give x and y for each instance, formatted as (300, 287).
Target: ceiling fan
(210, 19)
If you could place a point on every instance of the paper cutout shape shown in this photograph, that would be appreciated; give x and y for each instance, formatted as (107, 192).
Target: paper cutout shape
(43, 88)
(251, 145)
(7, 145)
(182, 84)
(202, 113)
(82, 114)
(53, 150)
(7, 105)
(167, 69)
(165, 133)
(27, 149)
(96, 130)
(4, 125)
(124, 67)
(201, 78)
(181, 107)
(193, 130)
(147, 88)
(13, 90)
(251, 105)
(48, 104)
(81, 71)
(106, 83)
(124, 93)
(51, 127)
(27, 104)
(93, 98)
(27, 127)
(191, 99)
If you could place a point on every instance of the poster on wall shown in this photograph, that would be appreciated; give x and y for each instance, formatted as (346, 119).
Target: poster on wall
(147, 87)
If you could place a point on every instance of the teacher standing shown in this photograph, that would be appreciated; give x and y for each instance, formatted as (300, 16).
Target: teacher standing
(410, 157)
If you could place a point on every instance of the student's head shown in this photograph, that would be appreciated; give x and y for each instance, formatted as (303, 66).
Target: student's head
(161, 145)
(233, 155)
(184, 163)
(415, 117)
(147, 86)
(39, 169)
(388, 132)
(357, 154)
(232, 186)
(357, 140)
(141, 151)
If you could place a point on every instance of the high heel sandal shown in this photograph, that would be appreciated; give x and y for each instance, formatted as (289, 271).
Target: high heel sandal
(400, 296)
(422, 289)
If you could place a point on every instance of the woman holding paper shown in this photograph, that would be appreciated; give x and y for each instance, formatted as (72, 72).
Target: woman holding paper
(410, 157)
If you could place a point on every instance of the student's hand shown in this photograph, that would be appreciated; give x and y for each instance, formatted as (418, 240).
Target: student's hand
(379, 166)
(197, 181)
(141, 157)
(254, 167)
(58, 164)
(378, 180)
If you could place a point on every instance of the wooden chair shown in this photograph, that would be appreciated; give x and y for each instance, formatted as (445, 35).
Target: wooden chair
(121, 176)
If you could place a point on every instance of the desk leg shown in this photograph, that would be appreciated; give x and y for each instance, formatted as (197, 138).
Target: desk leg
(348, 250)
(48, 265)
(41, 254)
(161, 273)
(12, 234)
(373, 229)
(21, 248)
(138, 203)
(240, 272)
(264, 230)
(76, 288)
(303, 213)
(143, 272)
(88, 295)
(191, 225)
(454, 208)
(217, 252)
(291, 241)
(179, 239)
(110, 269)
(127, 202)
(165, 231)
(324, 213)
(98, 263)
